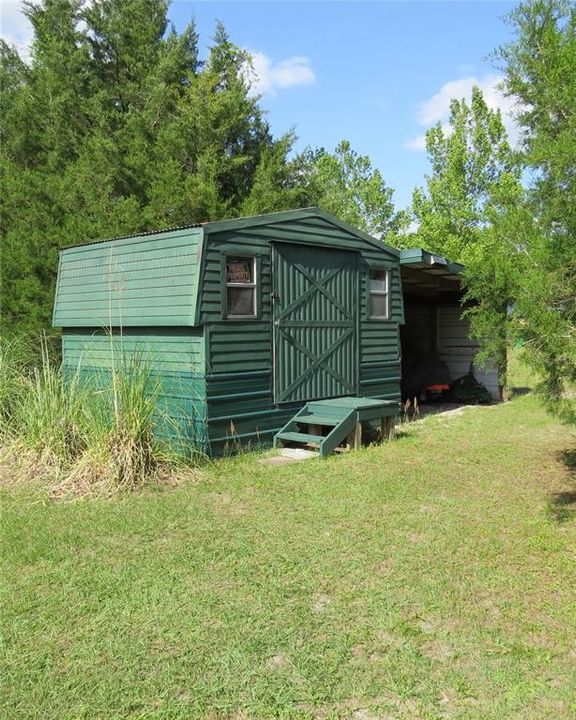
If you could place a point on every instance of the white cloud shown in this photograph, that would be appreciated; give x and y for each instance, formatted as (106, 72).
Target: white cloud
(437, 108)
(416, 143)
(15, 28)
(419, 142)
(266, 76)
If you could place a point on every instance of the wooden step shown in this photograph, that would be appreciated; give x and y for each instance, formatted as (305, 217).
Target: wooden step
(333, 411)
(303, 438)
(317, 420)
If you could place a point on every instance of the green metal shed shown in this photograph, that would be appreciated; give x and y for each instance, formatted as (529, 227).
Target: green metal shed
(243, 320)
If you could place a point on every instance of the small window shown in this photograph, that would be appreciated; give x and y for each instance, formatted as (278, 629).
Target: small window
(379, 295)
(240, 287)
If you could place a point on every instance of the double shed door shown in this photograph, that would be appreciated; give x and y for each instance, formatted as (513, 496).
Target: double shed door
(316, 322)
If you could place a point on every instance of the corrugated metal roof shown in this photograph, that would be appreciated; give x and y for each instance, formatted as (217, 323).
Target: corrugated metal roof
(142, 233)
(190, 226)
(242, 222)
(430, 263)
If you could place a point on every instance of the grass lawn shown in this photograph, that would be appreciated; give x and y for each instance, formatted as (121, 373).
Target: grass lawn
(431, 578)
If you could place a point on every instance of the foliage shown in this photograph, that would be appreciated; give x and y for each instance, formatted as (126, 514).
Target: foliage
(84, 436)
(116, 127)
(539, 66)
(474, 181)
(468, 390)
(279, 183)
(345, 184)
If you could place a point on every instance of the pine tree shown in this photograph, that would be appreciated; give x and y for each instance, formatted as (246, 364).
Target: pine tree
(117, 127)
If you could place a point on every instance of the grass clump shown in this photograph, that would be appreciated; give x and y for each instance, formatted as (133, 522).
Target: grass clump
(82, 435)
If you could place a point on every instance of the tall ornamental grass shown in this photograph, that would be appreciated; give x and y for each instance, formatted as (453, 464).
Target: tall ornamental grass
(83, 434)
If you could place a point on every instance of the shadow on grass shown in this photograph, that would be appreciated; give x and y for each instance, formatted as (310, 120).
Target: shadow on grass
(562, 505)
(515, 392)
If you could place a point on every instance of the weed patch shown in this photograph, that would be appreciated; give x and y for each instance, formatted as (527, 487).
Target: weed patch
(79, 437)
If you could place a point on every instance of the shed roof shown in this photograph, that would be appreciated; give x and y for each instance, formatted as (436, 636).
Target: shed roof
(154, 278)
(287, 215)
(146, 279)
(215, 226)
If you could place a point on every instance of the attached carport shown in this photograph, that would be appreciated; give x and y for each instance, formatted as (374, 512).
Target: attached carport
(435, 334)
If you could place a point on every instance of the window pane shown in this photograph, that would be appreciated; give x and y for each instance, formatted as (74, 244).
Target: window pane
(239, 270)
(241, 301)
(379, 306)
(379, 280)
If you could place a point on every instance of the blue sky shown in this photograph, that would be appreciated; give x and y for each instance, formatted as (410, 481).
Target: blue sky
(376, 73)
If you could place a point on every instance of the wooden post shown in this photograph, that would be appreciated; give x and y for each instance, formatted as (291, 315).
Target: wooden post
(358, 436)
(391, 424)
(387, 428)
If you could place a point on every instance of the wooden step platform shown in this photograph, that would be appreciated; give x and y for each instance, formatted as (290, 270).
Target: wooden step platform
(331, 422)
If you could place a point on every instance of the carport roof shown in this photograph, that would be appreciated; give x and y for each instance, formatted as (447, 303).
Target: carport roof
(423, 270)
(434, 264)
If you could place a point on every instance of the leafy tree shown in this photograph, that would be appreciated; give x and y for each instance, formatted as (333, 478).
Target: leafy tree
(345, 184)
(474, 181)
(539, 66)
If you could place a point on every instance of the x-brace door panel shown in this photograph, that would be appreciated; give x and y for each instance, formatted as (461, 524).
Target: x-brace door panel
(315, 323)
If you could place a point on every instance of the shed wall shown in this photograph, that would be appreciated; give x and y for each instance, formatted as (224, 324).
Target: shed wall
(166, 291)
(457, 349)
(177, 359)
(239, 353)
(442, 329)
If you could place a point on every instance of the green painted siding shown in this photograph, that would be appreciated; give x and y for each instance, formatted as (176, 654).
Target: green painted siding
(239, 345)
(240, 409)
(239, 354)
(147, 280)
(309, 230)
(166, 290)
(381, 382)
(177, 359)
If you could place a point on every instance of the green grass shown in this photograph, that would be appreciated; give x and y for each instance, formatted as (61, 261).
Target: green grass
(430, 578)
(520, 376)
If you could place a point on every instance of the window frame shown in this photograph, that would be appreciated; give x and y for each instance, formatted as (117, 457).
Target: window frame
(385, 293)
(254, 286)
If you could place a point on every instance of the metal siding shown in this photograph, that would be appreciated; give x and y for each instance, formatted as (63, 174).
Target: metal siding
(458, 350)
(442, 329)
(315, 231)
(419, 329)
(237, 345)
(140, 281)
(220, 374)
(381, 381)
(177, 358)
(240, 410)
(240, 403)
